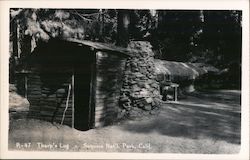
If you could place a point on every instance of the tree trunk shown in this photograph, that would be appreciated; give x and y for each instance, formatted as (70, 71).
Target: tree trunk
(101, 27)
(123, 21)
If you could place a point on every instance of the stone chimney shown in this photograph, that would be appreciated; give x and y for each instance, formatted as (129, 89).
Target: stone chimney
(140, 94)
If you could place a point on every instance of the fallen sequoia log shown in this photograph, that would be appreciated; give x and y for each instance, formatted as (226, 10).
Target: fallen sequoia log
(183, 73)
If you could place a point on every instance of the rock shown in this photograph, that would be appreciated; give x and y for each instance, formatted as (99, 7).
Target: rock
(150, 76)
(151, 89)
(156, 92)
(135, 113)
(122, 114)
(149, 100)
(126, 88)
(125, 99)
(126, 105)
(147, 107)
(133, 65)
(141, 105)
(132, 82)
(12, 88)
(127, 72)
(135, 88)
(147, 86)
(18, 106)
(157, 102)
(134, 69)
(155, 85)
(144, 78)
(138, 74)
(143, 70)
(136, 96)
(141, 84)
(144, 92)
(151, 82)
(18, 103)
(154, 111)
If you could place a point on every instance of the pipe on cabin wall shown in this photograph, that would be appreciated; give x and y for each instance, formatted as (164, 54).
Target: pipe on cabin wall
(67, 104)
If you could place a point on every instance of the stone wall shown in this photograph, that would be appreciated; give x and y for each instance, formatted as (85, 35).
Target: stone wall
(140, 92)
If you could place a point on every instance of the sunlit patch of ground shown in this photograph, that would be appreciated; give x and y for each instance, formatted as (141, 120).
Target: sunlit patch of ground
(204, 122)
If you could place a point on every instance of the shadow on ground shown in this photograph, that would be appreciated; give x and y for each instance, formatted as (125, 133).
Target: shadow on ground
(214, 115)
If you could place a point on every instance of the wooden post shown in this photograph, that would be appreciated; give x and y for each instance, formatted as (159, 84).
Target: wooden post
(91, 96)
(18, 36)
(175, 94)
(73, 98)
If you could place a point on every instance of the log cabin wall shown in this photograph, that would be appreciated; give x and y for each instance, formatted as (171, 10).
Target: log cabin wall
(46, 102)
(110, 69)
(34, 94)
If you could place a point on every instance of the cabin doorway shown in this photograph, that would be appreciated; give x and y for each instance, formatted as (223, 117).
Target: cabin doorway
(83, 73)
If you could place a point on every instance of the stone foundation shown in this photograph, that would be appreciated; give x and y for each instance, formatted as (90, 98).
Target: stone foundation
(140, 92)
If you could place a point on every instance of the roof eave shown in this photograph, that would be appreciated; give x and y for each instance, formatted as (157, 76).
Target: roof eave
(102, 46)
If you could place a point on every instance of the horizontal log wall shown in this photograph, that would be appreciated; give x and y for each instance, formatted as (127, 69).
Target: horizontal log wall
(34, 94)
(47, 102)
(108, 85)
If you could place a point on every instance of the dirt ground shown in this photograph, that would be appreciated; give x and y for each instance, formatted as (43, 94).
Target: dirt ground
(203, 122)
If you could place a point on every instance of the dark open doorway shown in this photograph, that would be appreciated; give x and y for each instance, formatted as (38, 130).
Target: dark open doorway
(83, 73)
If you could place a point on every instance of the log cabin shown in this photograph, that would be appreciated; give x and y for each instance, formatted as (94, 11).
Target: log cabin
(74, 82)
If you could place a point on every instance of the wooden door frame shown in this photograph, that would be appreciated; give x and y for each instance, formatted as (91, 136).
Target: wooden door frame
(92, 95)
